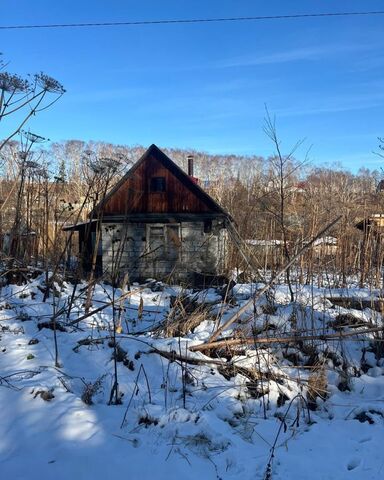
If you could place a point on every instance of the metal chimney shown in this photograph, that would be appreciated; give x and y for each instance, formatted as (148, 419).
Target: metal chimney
(190, 165)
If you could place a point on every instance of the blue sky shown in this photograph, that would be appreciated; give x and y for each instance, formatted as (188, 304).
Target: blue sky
(205, 86)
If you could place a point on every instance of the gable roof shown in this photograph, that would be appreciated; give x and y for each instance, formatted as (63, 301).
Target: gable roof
(186, 180)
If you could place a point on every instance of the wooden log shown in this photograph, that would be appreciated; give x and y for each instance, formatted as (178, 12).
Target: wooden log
(230, 342)
(357, 303)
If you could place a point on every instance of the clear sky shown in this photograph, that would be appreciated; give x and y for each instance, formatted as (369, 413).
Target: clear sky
(204, 86)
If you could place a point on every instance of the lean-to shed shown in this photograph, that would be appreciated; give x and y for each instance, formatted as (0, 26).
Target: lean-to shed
(156, 222)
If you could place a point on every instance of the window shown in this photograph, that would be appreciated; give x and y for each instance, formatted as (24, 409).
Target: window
(173, 241)
(156, 241)
(208, 226)
(163, 241)
(157, 184)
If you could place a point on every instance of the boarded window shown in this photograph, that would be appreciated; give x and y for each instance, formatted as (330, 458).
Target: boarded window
(156, 241)
(157, 184)
(164, 241)
(173, 242)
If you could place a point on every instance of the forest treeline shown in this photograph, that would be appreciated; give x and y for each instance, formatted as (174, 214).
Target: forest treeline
(277, 203)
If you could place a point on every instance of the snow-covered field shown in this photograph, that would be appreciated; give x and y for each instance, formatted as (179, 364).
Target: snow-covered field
(244, 416)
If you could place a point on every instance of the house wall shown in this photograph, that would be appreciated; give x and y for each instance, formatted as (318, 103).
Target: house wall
(180, 195)
(156, 250)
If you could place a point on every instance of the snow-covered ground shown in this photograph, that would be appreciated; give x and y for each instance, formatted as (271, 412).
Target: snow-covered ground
(218, 417)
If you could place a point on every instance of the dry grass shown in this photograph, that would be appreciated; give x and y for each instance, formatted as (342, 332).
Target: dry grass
(181, 324)
(317, 386)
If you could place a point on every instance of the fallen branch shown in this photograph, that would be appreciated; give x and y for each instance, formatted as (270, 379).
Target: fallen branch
(358, 303)
(268, 340)
(172, 356)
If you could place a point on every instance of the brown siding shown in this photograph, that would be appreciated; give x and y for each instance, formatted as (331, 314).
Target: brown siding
(134, 196)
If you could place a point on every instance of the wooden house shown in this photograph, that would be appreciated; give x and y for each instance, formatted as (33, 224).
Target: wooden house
(374, 223)
(156, 222)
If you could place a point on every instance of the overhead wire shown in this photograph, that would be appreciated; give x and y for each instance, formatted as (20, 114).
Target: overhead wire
(193, 20)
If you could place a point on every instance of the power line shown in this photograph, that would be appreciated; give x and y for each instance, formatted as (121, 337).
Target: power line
(192, 20)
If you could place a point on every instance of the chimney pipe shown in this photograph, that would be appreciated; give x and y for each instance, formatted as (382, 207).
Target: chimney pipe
(190, 165)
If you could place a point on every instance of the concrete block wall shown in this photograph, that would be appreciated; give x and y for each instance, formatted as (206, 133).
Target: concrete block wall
(132, 248)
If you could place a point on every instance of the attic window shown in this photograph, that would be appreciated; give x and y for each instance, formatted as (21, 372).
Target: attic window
(157, 184)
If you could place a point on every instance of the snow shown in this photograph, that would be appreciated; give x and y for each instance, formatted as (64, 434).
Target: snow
(264, 243)
(178, 419)
(325, 241)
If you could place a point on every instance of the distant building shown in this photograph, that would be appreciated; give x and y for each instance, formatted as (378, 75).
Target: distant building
(269, 253)
(374, 221)
(325, 246)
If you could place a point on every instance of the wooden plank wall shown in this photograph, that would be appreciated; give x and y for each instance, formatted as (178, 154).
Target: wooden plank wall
(134, 195)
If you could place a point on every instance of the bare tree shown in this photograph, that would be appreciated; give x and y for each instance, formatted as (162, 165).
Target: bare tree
(283, 167)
